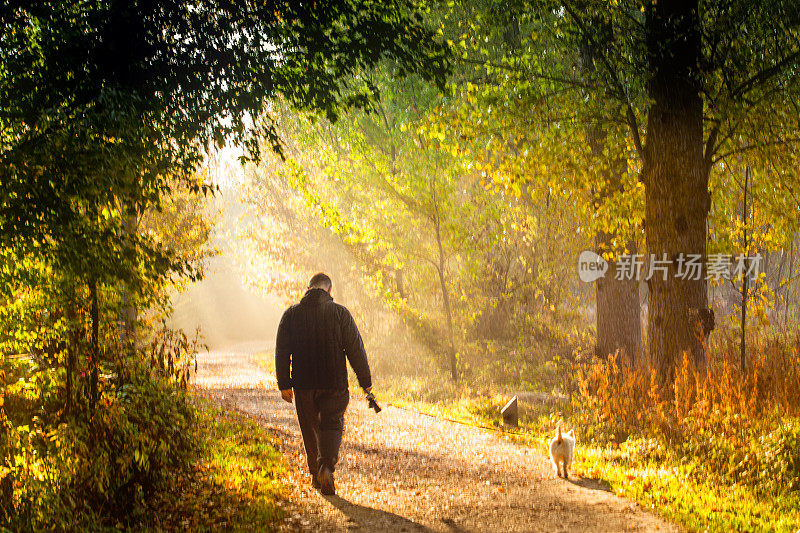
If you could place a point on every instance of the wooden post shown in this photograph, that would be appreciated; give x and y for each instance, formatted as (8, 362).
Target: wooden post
(511, 413)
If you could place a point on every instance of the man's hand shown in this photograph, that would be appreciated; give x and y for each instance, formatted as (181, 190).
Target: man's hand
(287, 395)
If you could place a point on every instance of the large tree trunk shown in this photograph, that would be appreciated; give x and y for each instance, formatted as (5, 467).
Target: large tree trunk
(675, 176)
(618, 313)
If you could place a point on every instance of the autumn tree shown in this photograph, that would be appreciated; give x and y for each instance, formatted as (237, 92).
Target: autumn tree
(525, 133)
(107, 107)
(389, 194)
(676, 90)
(465, 268)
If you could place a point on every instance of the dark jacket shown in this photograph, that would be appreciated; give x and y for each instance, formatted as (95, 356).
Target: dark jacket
(314, 337)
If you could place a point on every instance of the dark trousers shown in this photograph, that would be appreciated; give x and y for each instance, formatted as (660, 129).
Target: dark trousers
(321, 416)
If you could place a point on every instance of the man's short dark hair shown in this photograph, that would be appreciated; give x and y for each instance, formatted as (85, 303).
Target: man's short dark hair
(320, 281)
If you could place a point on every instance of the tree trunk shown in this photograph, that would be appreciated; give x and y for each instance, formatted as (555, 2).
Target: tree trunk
(452, 359)
(789, 277)
(95, 362)
(450, 340)
(618, 310)
(618, 314)
(7, 511)
(675, 175)
(779, 299)
(448, 313)
(128, 309)
(7, 498)
(745, 253)
(401, 288)
(72, 348)
(128, 322)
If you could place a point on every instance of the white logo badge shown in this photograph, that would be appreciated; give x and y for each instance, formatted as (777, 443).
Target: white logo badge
(591, 266)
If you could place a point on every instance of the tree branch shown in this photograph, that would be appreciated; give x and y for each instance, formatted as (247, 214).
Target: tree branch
(711, 146)
(765, 74)
(634, 126)
(619, 88)
(748, 148)
(574, 83)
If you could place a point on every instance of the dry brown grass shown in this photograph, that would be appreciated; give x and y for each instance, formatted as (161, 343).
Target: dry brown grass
(632, 397)
(741, 427)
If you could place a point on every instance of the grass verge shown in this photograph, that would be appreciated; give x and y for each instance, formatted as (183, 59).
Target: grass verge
(237, 483)
(637, 469)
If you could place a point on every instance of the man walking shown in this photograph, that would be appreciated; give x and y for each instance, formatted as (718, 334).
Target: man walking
(314, 337)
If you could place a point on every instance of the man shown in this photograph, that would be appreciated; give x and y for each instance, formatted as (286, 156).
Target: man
(314, 337)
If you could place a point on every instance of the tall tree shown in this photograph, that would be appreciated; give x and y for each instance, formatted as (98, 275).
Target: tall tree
(98, 102)
(618, 309)
(525, 129)
(389, 194)
(675, 176)
(689, 91)
(105, 106)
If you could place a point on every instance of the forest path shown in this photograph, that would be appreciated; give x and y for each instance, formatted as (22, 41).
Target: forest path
(402, 471)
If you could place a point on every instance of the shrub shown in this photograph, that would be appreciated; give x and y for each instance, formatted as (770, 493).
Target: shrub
(739, 427)
(100, 467)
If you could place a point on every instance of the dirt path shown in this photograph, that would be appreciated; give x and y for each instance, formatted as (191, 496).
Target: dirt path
(400, 471)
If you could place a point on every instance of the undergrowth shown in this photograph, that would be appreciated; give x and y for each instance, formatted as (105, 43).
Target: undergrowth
(717, 449)
(149, 456)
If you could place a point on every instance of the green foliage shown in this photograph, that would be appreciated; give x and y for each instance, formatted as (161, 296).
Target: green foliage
(422, 233)
(727, 434)
(780, 463)
(173, 355)
(149, 456)
(187, 73)
(98, 467)
(757, 454)
(105, 108)
(742, 476)
(656, 481)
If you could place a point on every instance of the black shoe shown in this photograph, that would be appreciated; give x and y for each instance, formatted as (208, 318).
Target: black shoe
(325, 479)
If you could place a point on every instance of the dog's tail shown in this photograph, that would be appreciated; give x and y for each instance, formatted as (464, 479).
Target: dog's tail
(558, 427)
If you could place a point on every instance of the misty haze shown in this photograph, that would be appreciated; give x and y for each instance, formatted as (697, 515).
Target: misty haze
(466, 266)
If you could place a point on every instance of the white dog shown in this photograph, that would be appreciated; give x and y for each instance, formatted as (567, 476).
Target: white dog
(561, 448)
